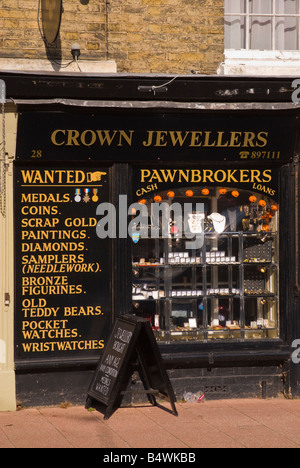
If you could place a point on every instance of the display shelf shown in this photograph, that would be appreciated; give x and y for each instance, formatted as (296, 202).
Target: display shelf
(233, 278)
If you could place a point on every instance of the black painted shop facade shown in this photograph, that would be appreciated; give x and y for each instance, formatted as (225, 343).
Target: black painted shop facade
(216, 276)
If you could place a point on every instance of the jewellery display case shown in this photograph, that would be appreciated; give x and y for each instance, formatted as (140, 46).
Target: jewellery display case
(225, 289)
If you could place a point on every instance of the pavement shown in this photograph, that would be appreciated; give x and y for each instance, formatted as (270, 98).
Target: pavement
(249, 423)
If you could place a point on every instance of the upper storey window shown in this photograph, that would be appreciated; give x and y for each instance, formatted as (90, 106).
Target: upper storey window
(262, 25)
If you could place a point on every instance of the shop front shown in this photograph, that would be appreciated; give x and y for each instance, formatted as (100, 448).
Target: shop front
(224, 283)
(185, 216)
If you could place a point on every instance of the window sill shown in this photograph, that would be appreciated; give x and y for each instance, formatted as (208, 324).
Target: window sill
(241, 354)
(260, 62)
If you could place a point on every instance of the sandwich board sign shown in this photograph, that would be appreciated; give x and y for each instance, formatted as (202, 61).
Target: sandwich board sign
(131, 347)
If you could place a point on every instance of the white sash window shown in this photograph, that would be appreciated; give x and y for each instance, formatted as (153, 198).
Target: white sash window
(270, 25)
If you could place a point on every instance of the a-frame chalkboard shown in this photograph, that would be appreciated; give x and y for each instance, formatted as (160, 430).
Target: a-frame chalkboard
(131, 347)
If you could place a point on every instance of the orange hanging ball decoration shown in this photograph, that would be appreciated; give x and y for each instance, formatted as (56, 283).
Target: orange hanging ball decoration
(189, 193)
(142, 202)
(171, 194)
(157, 198)
(262, 203)
(274, 208)
(252, 199)
(235, 194)
(205, 191)
(222, 191)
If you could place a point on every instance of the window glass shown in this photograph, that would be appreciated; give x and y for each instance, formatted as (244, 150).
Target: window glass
(210, 269)
(262, 24)
(235, 36)
(260, 32)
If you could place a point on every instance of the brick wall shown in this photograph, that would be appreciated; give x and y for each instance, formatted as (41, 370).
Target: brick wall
(167, 35)
(142, 36)
(83, 21)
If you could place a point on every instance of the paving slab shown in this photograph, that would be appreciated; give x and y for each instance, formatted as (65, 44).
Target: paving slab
(250, 423)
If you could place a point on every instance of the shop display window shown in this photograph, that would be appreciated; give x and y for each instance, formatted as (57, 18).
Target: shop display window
(227, 287)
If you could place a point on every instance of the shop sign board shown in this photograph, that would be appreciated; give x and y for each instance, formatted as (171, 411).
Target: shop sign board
(149, 180)
(131, 347)
(62, 303)
(157, 137)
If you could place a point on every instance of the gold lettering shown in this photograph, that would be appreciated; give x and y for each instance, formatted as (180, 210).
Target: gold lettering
(220, 142)
(72, 139)
(168, 175)
(105, 137)
(244, 175)
(195, 139)
(196, 176)
(92, 138)
(255, 176)
(155, 176)
(204, 176)
(39, 222)
(184, 175)
(267, 174)
(207, 142)
(263, 138)
(126, 137)
(39, 210)
(178, 138)
(161, 138)
(248, 139)
(231, 177)
(208, 176)
(150, 139)
(145, 173)
(54, 137)
(234, 140)
(222, 178)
